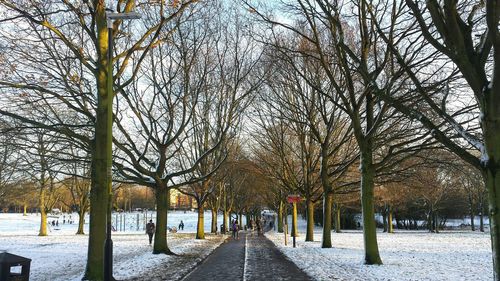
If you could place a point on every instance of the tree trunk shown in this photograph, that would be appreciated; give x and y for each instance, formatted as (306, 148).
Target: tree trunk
(436, 222)
(384, 218)
(97, 223)
(81, 221)
(280, 217)
(213, 228)
(481, 222)
(240, 221)
(285, 208)
(492, 180)
(310, 221)
(295, 228)
(338, 228)
(25, 207)
(43, 214)
(326, 242)
(389, 220)
(472, 225)
(225, 221)
(429, 221)
(200, 229)
(372, 255)
(160, 240)
(43, 223)
(101, 154)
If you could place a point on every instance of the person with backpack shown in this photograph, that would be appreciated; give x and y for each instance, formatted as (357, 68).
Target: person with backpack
(150, 230)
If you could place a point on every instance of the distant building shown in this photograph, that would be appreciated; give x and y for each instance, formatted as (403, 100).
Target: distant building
(181, 201)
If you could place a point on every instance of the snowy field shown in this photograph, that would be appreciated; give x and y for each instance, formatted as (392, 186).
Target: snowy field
(123, 222)
(406, 255)
(62, 255)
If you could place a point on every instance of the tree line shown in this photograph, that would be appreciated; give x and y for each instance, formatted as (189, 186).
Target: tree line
(384, 103)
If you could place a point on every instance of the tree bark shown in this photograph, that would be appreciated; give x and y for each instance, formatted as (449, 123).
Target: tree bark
(326, 242)
(372, 255)
(280, 217)
(225, 221)
(338, 228)
(213, 228)
(384, 218)
(472, 225)
(310, 221)
(101, 154)
(481, 222)
(429, 221)
(389, 220)
(43, 213)
(200, 228)
(492, 181)
(81, 221)
(160, 240)
(436, 222)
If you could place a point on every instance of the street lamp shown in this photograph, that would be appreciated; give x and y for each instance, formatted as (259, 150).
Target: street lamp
(108, 244)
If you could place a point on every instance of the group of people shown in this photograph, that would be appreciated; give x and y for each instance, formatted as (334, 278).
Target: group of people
(151, 228)
(235, 227)
(56, 222)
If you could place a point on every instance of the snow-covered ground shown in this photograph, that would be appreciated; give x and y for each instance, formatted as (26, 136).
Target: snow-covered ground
(406, 255)
(133, 222)
(62, 254)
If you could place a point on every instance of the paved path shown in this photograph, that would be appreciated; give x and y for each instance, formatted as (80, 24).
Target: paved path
(249, 258)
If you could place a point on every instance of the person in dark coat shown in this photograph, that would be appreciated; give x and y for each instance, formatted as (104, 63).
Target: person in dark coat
(150, 230)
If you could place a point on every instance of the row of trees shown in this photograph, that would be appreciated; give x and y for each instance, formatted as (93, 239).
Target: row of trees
(181, 79)
(345, 97)
(379, 84)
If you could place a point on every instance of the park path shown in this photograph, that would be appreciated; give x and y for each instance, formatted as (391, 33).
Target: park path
(248, 258)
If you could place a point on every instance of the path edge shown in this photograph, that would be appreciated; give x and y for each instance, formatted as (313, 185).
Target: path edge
(198, 263)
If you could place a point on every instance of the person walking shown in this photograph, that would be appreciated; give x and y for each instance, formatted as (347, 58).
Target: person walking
(181, 225)
(234, 228)
(150, 230)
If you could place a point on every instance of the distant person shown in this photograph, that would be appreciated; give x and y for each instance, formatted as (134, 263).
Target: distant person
(181, 225)
(150, 230)
(53, 223)
(235, 229)
(57, 222)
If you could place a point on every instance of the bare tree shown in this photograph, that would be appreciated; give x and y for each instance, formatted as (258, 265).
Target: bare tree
(71, 68)
(301, 88)
(39, 163)
(9, 160)
(344, 43)
(459, 40)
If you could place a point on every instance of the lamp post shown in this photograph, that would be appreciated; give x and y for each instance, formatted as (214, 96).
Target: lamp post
(108, 244)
